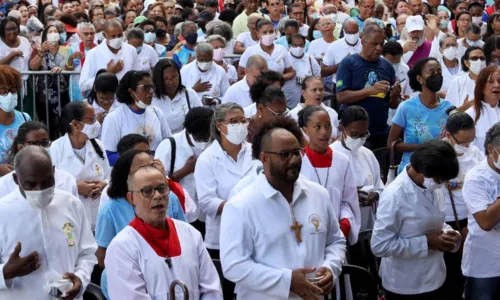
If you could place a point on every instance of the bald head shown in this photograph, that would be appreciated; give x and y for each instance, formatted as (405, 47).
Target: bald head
(258, 62)
(113, 24)
(371, 30)
(32, 156)
(33, 169)
(253, 18)
(351, 26)
(328, 9)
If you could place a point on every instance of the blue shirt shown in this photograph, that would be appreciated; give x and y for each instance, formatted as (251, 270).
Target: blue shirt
(116, 214)
(181, 56)
(9, 132)
(420, 123)
(284, 42)
(354, 74)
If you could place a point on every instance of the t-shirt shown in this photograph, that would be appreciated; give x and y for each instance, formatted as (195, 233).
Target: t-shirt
(181, 56)
(355, 73)
(9, 132)
(420, 123)
(246, 39)
(20, 63)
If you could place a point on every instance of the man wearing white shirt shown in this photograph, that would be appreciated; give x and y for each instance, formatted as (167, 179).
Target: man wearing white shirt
(46, 238)
(319, 47)
(348, 45)
(248, 38)
(114, 55)
(147, 54)
(203, 75)
(280, 233)
(297, 13)
(240, 92)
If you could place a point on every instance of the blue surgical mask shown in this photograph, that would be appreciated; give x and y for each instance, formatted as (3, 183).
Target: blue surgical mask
(62, 37)
(471, 43)
(317, 34)
(443, 24)
(149, 37)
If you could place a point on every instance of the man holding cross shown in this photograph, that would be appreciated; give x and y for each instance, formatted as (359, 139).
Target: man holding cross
(279, 237)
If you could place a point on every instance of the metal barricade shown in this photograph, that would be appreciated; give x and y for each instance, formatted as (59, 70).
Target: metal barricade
(31, 77)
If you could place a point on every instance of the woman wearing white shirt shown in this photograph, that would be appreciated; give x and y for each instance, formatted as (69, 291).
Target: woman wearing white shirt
(460, 133)
(219, 44)
(146, 54)
(102, 95)
(450, 62)
(410, 232)
(171, 97)
(219, 168)
(15, 50)
(365, 165)
(275, 55)
(472, 39)
(250, 38)
(485, 110)
(304, 66)
(481, 258)
(312, 94)
(461, 90)
(79, 153)
(136, 116)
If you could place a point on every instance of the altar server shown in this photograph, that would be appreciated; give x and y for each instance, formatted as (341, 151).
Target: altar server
(331, 170)
(45, 235)
(280, 233)
(153, 251)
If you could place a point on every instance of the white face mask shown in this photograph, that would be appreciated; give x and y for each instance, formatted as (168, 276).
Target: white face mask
(297, 51)
(53, 37)
(8, 102)
(268, 39)
(354, 144)
(497, 162)
(196, 144)
(451, 53)
(219, 54)
(477, 66)
(92, 131)
(472, 43)
(236, 134)
(116, 43)
(477, 20)
(459, 149)
(431, 185)
(40, 199)
(352, 39)
(37, 39)
(205, 65)
(139, 103)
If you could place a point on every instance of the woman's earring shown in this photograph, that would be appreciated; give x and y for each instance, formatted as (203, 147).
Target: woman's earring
(260, 116)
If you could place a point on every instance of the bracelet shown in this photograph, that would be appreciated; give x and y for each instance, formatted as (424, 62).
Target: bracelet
(69, 66)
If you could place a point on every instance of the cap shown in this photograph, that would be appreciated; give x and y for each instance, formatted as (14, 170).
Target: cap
(211, 3)
(10, 4)
(70, 28)
(138, 20)
(205, 16)
(178, 6)
(414, 23)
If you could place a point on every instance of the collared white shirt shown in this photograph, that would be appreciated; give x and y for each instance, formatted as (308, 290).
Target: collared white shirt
(122, 121)
(93, 167)
(175, 110)
(304, 66)
(147, 58)
(190, 74)
(337, 51)
(317, 50)
(215, 175)
(278, 60)
(239, 93)
(147, 276)
(462, 48)
(367, 174)
(64, 182)
(447, 76)
(334, 116)
(467, 161)
(60, 234)
(99, 57)
(258, 248)
(461, 86)
(246, 39)
(489, 116)
(250, 110)
(406, 213)
(481, 258)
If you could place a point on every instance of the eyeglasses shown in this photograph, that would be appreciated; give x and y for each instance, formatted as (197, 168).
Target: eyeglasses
(13, 29)
(286, 155)
(475, 58)
(147, 88)
(461, 143)
(44, 143)
(277, 114)
(88, 33)
(236, 121)
(149, 191)
(4, 91)
(325, 24)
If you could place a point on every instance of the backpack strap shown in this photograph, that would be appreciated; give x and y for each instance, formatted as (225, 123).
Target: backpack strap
(187, 99)
(172, 157)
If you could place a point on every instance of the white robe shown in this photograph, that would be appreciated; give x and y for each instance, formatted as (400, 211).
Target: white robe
(60, 234)
(64, 181)
(259, 250)
(341, 187)
(135, 271)
(367, 170)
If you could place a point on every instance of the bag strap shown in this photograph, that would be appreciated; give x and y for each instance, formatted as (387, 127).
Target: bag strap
(172, 157)
(454, 208)
(310, 64)
(187, 98)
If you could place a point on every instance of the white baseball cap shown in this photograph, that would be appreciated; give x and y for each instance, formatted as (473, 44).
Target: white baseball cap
(414, 23)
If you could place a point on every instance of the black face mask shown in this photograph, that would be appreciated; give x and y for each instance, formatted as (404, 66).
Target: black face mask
(434, 83)
(161, 32)
(191, 38)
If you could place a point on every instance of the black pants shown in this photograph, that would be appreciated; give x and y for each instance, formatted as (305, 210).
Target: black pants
(434, 295)
(455, 281)
(200, 226)
(377, 141)
(227, 286)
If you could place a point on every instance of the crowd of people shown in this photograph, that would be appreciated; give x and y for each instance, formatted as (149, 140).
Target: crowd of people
(244, 147)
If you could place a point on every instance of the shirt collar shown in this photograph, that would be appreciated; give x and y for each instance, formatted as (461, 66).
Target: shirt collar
(269, 191)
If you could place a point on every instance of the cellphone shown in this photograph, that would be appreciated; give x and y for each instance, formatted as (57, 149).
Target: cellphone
(315, 280)
(208, 100)
(55, 292)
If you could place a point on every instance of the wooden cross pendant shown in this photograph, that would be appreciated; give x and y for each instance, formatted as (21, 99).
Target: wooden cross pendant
(297, 227)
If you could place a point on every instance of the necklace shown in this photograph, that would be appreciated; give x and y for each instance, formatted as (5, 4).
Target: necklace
(327, 176)
(138, 122)
(296, 226)
(81, 159)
